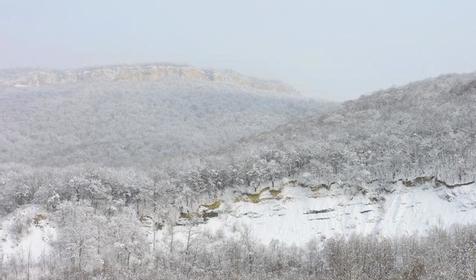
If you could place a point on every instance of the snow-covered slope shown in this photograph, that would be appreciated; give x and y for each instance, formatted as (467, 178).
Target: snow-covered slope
(26, 234)
(295, 215)
(291, 214)
(136, 115)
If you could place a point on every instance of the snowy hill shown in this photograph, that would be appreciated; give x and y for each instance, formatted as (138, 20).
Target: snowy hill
(396, 162)
(142, 115)
(426, 128)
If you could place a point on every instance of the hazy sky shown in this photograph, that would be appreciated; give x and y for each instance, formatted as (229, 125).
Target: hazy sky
(331, 49)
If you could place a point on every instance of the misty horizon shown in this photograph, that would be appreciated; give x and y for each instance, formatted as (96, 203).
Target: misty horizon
(332, 50)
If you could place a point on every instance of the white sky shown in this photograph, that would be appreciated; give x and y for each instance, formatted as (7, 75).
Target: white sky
(331, 49)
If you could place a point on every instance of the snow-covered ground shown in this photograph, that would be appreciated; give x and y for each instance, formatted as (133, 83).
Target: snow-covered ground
(293, 215)
(301, 214)
(26, 234)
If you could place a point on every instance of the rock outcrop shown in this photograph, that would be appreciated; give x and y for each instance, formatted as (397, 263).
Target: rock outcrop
(145, 72)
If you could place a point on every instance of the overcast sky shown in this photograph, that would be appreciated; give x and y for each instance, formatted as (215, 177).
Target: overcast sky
(331, 49)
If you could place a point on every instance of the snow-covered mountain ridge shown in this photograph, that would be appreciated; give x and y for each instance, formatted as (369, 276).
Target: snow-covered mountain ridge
(138, 73)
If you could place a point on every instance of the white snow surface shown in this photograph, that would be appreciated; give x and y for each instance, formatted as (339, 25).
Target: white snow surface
(298, 216)
(34, 239)
(403, 211)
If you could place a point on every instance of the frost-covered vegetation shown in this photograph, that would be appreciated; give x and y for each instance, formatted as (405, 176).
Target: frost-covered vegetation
(427, 128)
(111, 164)
(147, 124)
(114, 248)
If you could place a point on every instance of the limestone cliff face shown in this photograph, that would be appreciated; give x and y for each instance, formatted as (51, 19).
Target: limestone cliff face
(148, 72)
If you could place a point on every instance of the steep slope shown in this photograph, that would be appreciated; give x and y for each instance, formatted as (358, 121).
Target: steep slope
(295, 215)
(426, 128)
(399, 161)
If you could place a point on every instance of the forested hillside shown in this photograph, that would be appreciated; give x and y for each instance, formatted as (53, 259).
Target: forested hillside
(140, 116)
(122, 177)
(424, 129)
